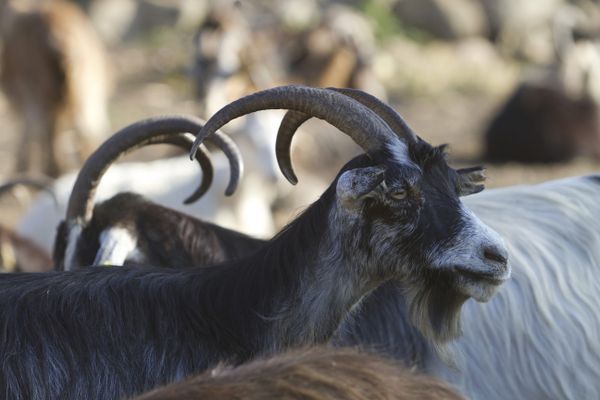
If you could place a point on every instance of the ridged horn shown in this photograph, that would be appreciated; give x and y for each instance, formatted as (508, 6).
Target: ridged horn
(139, 134)
(351, 117)
(292, 120)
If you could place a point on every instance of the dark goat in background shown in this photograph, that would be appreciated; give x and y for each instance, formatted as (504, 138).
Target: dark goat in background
(543, 124)
(316, 374)
(558, 117)
(386, 216)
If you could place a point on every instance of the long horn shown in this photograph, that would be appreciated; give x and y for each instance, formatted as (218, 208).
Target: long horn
(357, 121)
(132, 137)
(185, 141)
(292, 120)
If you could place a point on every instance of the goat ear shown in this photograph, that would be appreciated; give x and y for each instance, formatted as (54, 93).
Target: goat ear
(355, 185)
(471, 180)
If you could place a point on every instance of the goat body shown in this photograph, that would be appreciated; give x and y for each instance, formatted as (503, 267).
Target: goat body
(546, 309)
(166, 325)
(391, 214)
(166, 182)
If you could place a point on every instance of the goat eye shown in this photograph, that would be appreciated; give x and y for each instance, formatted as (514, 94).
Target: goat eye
(399, 194)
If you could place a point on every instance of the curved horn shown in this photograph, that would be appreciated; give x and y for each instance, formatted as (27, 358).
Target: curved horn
(294, 119)
(185, 141)
(357, 121)
(136, 135)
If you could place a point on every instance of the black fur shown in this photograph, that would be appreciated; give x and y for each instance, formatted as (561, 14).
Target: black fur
(106, 333)
(109, 333)
(165, 237)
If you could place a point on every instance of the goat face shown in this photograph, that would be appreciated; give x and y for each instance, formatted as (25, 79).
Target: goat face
(419, 230)
(397, 212)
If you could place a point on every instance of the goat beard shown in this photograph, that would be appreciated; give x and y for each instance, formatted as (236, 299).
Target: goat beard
(434, 307)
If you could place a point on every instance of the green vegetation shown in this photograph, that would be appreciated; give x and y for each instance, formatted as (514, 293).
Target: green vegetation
(386, 24)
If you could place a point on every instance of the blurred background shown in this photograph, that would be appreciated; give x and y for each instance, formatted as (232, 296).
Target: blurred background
(511, 84)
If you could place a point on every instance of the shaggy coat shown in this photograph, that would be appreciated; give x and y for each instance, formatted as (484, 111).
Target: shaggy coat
(166, 325)
(317, 374)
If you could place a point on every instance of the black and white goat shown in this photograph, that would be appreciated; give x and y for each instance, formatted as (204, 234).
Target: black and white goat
(539, 337)
(393, 213)
(544, 309)
(116, 226)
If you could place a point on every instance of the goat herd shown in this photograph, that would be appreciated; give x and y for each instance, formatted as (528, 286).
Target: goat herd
(374, 277)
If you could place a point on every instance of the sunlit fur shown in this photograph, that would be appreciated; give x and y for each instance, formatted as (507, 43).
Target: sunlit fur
(539, 337)
(317, 374)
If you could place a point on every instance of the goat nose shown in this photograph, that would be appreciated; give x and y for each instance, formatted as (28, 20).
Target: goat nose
(495, 253)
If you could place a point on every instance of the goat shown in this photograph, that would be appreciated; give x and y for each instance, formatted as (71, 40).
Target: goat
(128, 228)
(18, 254)
(392, 213)
(316, 374)
(163, 235)
(548, 227)
(558, 118)
(53, 69)
(168, 185)
(539, 336)
(543, 124)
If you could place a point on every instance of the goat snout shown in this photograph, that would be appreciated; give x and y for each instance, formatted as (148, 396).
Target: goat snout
(497, 254)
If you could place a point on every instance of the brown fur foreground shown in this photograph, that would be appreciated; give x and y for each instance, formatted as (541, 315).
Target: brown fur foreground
(319, 373)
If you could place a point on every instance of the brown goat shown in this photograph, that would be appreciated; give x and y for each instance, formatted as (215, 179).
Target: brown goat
(54, 73)
(315, 374)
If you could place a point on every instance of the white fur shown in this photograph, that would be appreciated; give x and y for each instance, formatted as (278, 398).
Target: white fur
(116, 246)
(539, 337)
